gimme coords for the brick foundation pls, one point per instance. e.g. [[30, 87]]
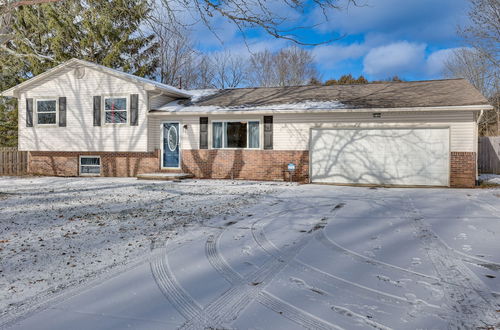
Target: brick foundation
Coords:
[[270, 165], [463, 170], [112, 163]]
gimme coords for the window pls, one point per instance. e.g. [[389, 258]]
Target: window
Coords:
[[236, 134], [46, 112], [90, 165], [115, 110]]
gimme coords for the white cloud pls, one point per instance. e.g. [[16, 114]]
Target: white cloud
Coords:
[[394, 59], [436, 61], [419, 20], [330, 55]]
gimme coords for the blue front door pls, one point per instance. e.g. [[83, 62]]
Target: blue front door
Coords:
[[171, 145]]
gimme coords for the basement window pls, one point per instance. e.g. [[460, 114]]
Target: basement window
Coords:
[[236, 134], [90, 165]]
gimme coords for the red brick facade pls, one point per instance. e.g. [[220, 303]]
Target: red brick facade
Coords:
[[270, 165], [463, 169], [112, 163]]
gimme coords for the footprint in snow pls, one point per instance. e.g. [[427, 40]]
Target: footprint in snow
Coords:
[[461, 236], [466, 248], [246, 250], [416, 261]]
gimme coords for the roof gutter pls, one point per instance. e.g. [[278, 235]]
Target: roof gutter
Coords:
[[326, 110]]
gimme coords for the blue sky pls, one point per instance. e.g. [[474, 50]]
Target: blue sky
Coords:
[[382, 38]]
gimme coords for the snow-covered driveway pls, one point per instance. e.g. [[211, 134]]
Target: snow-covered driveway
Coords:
[[311, 256]]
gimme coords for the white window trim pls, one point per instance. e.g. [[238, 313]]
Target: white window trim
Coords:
[[36, 100], [127, 109], [80, 165], [224, 135]]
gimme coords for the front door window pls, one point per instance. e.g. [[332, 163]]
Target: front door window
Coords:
[[171, 145]]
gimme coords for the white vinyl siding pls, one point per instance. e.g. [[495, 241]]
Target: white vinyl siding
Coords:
[[291, 132], [80, 134], [157, 100], [189, 136]]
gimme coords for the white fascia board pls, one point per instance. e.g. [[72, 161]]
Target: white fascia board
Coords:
[[149, 86], [271, 111], [12, 92]]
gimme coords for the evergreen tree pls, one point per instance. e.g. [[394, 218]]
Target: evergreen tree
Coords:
[[106, 32]]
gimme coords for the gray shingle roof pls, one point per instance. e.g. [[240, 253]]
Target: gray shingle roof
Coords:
[[435, 93]]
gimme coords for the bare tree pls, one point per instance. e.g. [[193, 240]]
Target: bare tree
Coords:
[[480, 64], [229, 70], [176, 53], [474, 65], [483, 33], [263, 14], [205, 73], [292, 66], [262, 71]]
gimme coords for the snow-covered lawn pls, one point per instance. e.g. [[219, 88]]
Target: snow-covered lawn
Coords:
[[55, 232], [309, 256], [490, 178]]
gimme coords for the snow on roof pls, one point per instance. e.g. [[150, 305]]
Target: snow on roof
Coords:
[[178, 106], [140, 79], [391, 95], [198, 94]]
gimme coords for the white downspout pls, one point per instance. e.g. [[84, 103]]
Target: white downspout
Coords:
[[477, 143]]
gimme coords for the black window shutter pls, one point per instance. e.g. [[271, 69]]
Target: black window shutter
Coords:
[[134, 109], [29, 112], [62, 112], [203, 132], [97, 111], [268, 132]]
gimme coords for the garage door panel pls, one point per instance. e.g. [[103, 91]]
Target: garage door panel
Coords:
[[380, 156]]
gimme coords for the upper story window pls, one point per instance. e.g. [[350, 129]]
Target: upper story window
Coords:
[[115, 110], [46, 111], [236, 134]]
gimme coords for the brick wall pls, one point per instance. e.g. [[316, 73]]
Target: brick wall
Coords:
[[463, 169], [112, 163], [218, 164], [246, 164]]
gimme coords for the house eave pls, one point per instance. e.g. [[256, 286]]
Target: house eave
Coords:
[[148, 86], [308, 111]]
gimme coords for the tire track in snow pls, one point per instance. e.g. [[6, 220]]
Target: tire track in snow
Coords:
[[326, 277], [293, 313], [172, 290], [287, 310], [227, 307], [469, 298], [331, 244]]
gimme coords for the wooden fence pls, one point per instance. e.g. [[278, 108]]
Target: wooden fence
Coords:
[[13, 162], [489, 154]]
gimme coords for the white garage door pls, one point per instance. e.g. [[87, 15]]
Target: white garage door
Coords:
[[381, 156]]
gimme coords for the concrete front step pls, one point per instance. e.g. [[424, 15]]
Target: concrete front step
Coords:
[[164, 176]]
